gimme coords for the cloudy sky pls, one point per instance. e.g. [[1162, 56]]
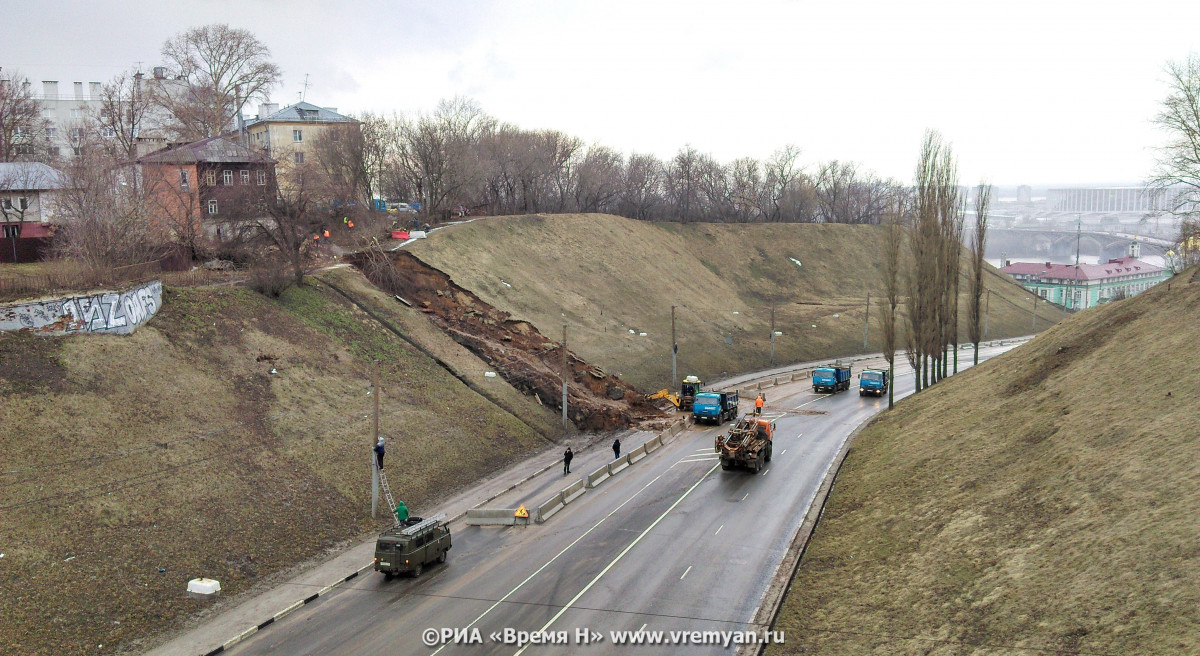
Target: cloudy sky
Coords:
[[1028, 92]]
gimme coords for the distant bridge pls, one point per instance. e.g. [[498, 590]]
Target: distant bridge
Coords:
[[1059, 244]]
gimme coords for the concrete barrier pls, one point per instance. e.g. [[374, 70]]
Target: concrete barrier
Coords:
[[652, 444], [597, 477], [573, 491], [616, 466], [783, 380], [547, 510], [494, 517], [637, 454]]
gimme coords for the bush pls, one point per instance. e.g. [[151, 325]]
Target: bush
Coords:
[[271, 278]]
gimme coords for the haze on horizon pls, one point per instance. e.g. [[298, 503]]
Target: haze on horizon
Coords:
[[1040, 93]]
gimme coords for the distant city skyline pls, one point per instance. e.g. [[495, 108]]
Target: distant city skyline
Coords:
[[1048, 94]]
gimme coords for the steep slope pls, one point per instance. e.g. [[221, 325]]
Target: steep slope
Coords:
[[609, 279], [230, 438], [1044, 502]]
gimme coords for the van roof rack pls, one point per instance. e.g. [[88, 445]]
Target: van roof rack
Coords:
[[425, 524]]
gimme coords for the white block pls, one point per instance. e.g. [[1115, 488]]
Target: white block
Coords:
[[204, 586]]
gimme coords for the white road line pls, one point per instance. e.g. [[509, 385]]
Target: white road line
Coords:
[[799, 435], [744, 498], [699, 459], [685, 572], [539, 570], [621, 555], [812, 401], [766, 470], [719, 528], [783, 452]]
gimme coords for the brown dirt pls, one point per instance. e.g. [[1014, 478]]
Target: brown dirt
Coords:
[[525, 358]]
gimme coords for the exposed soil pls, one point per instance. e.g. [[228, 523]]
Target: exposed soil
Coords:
[[528, 360]]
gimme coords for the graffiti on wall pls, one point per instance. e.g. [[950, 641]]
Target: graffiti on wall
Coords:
[[103, 312]]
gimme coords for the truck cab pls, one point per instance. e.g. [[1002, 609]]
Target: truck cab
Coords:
[[412, 544], [873, 381]]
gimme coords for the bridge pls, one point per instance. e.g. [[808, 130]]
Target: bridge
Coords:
[[1052, 244]]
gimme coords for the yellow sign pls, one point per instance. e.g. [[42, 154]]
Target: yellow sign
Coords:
[[521, 512]]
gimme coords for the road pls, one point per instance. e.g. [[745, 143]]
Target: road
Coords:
[[673, 543]]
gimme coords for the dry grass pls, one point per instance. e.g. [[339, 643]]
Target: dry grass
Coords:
[[133, 464], [604, 275], [1045, 502]]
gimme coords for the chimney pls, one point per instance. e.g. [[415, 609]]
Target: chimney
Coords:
[[50, 89], [1047, 265], [160, 72], [94, 90], [266, 109], [79, 91]]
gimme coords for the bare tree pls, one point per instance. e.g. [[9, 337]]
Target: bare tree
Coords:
[[922, 282], [22, 127], [983, 196], [290, 219], [682, 184], [890, 271], [106, 214], [125, 105], [598, 180], [641, 189], [782, 173], [224, 68], [1178, 162], [438, 151]]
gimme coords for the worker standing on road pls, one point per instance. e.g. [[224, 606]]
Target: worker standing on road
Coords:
[[758, 404], [379, 451], [567, 461], [616, 448]]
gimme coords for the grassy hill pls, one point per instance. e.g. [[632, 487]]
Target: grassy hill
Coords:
[[604, 276], [135, 463], [1044, 502]]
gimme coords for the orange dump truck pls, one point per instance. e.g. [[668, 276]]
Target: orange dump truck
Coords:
[[748, 444]]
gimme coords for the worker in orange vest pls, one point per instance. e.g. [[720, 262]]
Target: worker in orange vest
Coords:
[[350, 224], [325, 234], [316, 239], [758, 404]]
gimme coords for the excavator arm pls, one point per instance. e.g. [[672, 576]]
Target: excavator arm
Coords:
[[665, 394]]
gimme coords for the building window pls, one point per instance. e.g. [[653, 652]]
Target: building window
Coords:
[[55, 151], [227, 177], [297, 135], [12, 231], [212, 207], [76, 133], [76, 113], [245, 176], [8, 203], [299, 157], [23, 203], [183, 179], [108, 133], [1042, 293], [210, 178], [52, 133], [262, 177]]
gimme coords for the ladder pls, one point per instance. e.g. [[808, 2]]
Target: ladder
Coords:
[[387, 494]]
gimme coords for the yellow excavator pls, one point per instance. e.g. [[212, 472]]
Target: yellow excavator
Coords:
[[687, 394]]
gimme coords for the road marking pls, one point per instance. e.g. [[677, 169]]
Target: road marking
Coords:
[[564, 550], [812, 401], [783, 452], [799, 435], [695, 459], [685, 572], [766, 470], [621, 555], [744, 498], [719, 528]]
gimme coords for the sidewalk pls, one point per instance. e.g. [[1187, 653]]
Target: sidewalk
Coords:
[[256, 607]]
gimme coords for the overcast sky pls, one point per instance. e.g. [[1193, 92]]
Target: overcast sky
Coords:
[[1028, 92]]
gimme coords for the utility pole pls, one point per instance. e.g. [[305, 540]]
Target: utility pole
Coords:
[[1033, 327], [374, 441], [564, 376], [772, 357], [1078, 234], [674, 350], [866, 321]]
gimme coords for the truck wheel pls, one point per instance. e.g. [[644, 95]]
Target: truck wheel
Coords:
[[387, 576], [769, 450], [416, 571], [442, 557]]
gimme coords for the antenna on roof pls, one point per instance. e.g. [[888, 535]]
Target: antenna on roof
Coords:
[[305, 87]]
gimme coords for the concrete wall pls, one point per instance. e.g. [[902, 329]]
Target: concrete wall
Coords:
[[100, 312]]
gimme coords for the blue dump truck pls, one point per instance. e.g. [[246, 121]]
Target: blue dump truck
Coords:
[[831, 378], [873, 381], [715, 407]]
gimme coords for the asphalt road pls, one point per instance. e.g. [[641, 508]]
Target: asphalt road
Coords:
[[672, 543]]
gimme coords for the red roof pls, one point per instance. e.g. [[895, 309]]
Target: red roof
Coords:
[[1121, 266]]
